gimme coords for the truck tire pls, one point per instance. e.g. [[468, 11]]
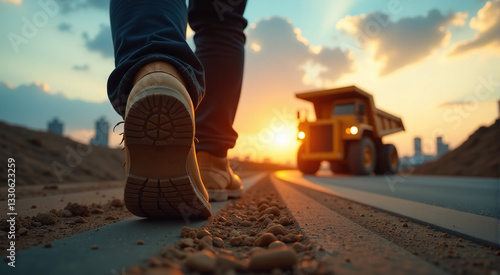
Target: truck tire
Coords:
[[362, 156], [308, 167], [339, 167], [388, 161]]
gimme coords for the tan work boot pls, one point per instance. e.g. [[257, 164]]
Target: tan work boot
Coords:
[[163, 179], [220, 181]]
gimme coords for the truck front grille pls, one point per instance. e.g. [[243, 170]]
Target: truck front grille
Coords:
[[321, 138]]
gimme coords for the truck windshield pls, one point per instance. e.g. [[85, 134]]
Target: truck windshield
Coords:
[[344, 109]]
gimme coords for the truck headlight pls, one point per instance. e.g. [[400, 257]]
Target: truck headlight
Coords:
[[353, 130], [301, 135]]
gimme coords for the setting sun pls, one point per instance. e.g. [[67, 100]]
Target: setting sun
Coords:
[[281, 139]]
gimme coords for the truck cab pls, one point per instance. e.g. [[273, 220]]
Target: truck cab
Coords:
[[347, 132]]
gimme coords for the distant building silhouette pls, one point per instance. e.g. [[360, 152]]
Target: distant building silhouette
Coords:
[[441, 147], [101, 133], [420, 158], [55, 126], [418, 146]]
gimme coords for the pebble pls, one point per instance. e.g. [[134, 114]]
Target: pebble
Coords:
[[276, 244], [229, 262], [290, 238], [280, 206], [206, 243], [248, 241], [79, 219], [234, 233], [188, 242], [218, 242], [246, 223], [279, 257], [261, 202], [117, 203], [267, 221], [202, 233], [203, 261], [36, 224], [22, 231], [285, 221], [265, 239], [185, 231], [272, 210], [46, 218], [265, 216], [236, 219], [263, 207], [277, 230], [65, 213], [97, 211], [236, 241], [78, 209]]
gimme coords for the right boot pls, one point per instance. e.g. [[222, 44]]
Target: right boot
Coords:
[[219, 179], [162, 175]]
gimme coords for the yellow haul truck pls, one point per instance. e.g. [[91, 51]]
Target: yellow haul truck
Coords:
[[348, 133]]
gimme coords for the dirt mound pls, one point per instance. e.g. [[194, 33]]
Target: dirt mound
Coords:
[[479, 156], [46, 158], [43, 157]]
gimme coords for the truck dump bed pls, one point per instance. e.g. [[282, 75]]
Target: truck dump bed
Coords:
[[383, 122]]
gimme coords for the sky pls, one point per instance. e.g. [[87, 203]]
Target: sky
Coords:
[[434, 63]]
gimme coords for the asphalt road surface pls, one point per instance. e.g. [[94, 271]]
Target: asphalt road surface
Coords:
[[479, 196]]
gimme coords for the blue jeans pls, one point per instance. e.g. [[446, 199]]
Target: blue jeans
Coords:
[[144, 31]]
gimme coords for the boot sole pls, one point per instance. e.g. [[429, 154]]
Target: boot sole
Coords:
[[159, 135]]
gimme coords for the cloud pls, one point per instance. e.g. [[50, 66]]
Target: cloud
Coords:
[[280, 50], [84, 67], [64, 27], [399, 44], [487, 27], [34, 105], [101, 43], [77, 5]]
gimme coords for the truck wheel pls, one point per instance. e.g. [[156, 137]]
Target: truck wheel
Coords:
[[339, 167], [388, 161], [362, 156], [308, 167]]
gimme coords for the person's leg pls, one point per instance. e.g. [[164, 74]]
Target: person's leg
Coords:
[[146, 31], [220, 41], [154, 66]]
